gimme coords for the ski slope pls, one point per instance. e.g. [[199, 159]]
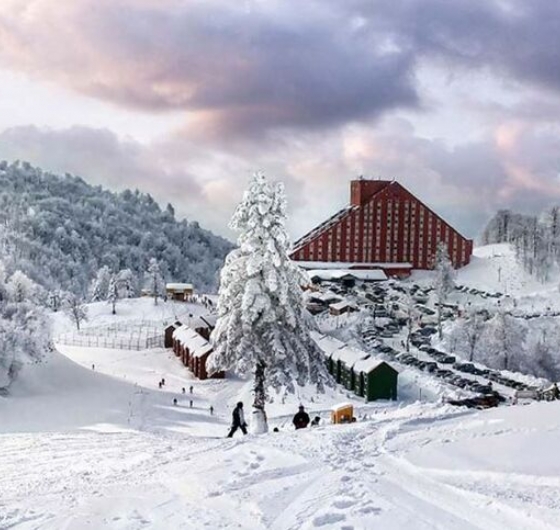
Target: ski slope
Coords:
[[105, 448]]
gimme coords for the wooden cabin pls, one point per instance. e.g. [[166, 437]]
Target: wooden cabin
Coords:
[[194, 350], [181, 292], [375, 379], [339, 308]]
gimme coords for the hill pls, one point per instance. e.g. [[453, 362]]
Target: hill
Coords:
[[106, 448], [59, 230]]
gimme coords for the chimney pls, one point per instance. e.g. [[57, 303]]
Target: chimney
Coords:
[[362, 190]]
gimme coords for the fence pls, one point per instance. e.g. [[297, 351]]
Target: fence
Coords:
[[136, 335]]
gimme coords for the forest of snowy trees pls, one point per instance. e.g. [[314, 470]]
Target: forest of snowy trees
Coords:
[[60, 231], [536, 239], [64, 242]]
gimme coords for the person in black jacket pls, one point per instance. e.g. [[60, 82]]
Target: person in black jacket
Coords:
[[238, 420], [301, 419]]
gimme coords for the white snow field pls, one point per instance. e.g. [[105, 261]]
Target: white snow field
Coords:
[[105, 448]]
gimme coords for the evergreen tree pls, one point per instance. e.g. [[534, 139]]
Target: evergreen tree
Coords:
[[100, 285], [156, 283], [263, 326], [113, 293], [444, 281], [126, 283]]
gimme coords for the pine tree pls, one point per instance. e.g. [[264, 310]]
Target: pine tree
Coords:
[[126, 283], [155, 279], [100, 285], [113, 293], [263, 326], [444, 281]]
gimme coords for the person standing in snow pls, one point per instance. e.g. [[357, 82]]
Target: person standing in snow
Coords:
[[301, 419], [238, 420]]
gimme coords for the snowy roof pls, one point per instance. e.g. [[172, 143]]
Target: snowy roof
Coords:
[[337, 274], [326, 344], [352, 265], [341, 406], [197, 345], [349, 355], [342, 305], [178, 286], [367, 365], [211, 320], [324, 297]]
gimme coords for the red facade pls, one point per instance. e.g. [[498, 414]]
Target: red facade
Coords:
[[384, 224]]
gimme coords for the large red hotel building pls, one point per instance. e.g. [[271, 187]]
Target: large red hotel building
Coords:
[[384, 227]]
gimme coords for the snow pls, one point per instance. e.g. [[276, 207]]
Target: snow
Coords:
[[337, 274], [179, 287], [367, 365], [106, 449]]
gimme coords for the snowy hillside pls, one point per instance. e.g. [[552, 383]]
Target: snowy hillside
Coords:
[[60, 231], [106, 448]]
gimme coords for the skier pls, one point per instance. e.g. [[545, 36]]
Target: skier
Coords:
[[183, 390], [174, 401], [238, 420], [555, 391], [211, 410], [301, 419], [191, 388]]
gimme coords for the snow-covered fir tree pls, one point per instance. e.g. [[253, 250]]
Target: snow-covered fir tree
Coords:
[[154, 279], [126, 284], [100, 284], [113, 293], [444, 280], [263, 326]]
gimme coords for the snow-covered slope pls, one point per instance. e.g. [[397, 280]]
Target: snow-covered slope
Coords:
[[106, 448]]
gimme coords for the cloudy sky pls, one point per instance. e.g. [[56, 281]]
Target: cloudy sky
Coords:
[[459, 100]]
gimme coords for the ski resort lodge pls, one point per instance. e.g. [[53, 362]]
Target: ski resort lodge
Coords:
[[386, 228]]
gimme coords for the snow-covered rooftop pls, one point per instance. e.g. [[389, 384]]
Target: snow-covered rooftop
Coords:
[[367, 365], [197, 345], [327, 344], [341, 305], [178, 286], [349, 356]]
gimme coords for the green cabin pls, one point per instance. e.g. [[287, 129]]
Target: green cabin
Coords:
[[374, 379], [345, 359]]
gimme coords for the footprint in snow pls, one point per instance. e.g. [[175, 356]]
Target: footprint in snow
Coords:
[[341, 504], [328, 518]]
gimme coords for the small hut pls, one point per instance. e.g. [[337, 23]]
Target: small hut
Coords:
[[375, 379], [343, 361], [181, 292], [339, 308]]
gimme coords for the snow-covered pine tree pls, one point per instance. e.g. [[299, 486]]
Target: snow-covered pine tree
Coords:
[[113, 293], [100, 285], [444, 280], [126, 283], [263, 326], [155, 281], [75, 308]]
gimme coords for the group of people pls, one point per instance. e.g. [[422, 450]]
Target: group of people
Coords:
[[301, 420]]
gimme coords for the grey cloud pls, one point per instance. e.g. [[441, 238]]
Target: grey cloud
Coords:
[[239, 69]]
